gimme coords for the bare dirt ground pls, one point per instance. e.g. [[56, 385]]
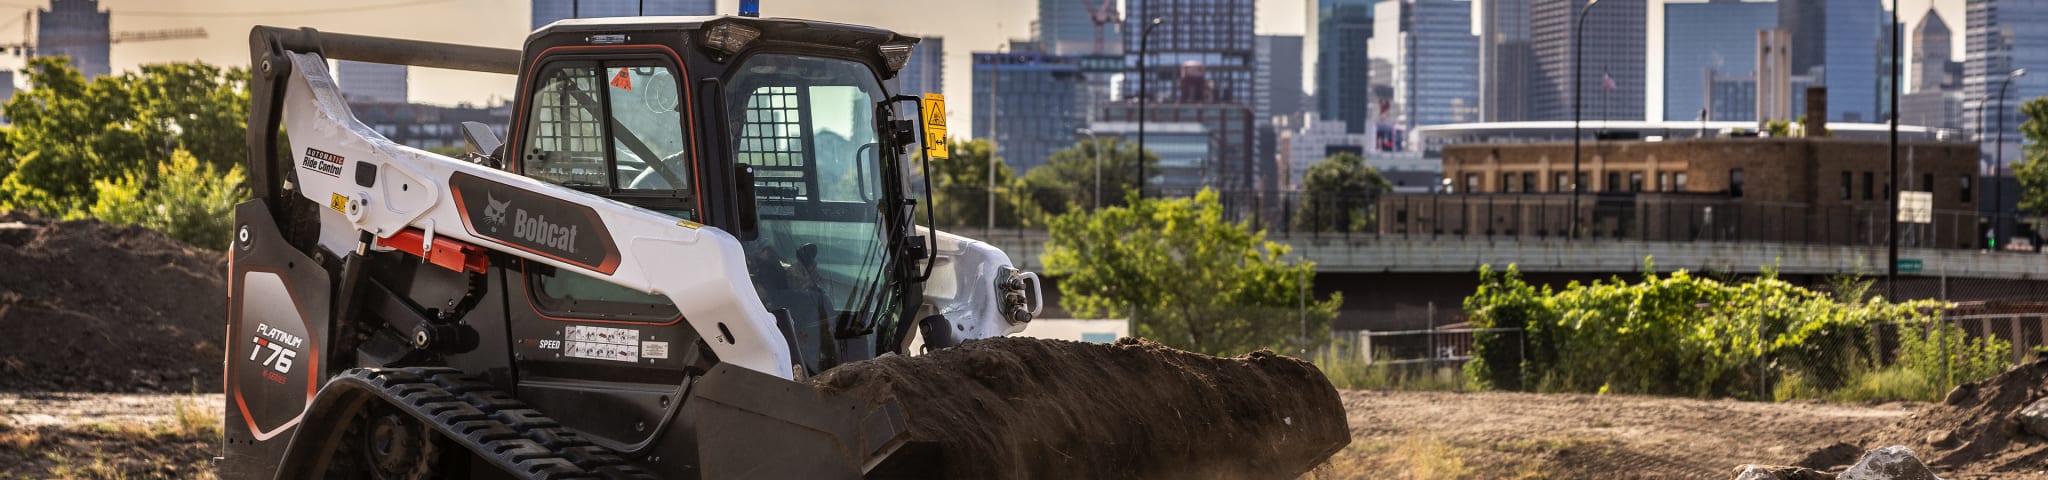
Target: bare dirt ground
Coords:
[[80, 435], [1395, 435], [1520, 435]]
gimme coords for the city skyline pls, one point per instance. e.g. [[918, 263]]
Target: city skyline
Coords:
[[970, 25]]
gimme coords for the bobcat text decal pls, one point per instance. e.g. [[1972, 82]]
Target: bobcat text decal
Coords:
[[535, 222]]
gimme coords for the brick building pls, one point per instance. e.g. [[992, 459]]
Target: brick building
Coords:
[[1803, 190]]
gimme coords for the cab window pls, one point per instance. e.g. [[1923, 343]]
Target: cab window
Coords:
[[614, 128]]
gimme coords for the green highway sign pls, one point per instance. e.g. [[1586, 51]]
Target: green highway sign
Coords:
[[1910, 265]]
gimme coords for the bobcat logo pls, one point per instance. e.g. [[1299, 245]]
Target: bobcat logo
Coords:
[[495, 211]]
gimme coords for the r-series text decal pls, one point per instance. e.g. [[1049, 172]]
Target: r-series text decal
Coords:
[[323, 162], [535, 222], [275, 349]]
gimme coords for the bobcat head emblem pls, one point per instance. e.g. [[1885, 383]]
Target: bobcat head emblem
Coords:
[[495, 211]]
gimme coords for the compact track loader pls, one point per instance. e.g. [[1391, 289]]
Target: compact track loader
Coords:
[[687, 217]]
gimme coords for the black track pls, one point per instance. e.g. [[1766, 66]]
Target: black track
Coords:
[[497, 428]]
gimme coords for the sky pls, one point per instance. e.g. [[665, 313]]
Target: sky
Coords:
[[968, 25]]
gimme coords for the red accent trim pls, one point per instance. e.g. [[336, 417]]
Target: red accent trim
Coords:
[[449, 254], [537, 311], [689, 96]]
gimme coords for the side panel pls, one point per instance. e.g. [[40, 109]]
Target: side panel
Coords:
[[278, 302]]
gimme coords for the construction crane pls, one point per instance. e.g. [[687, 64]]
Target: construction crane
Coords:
[[29, 46], [1103, 15]]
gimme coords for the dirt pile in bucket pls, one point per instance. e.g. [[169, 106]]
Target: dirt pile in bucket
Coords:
[[86, 306], [1029, 408], [1977, 428]]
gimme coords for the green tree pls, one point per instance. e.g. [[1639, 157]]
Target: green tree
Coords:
[[1069, 176], [186, 199], [1339, 194], [2032, 171], [1186, 277], [69, 134], [960, 187]]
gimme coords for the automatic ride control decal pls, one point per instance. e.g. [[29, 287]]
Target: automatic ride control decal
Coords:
[[323, 162], [602, 343]]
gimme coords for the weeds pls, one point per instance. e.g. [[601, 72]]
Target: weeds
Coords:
[[1351, 372]]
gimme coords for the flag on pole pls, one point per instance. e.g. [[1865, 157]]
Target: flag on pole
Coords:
[[1606, 81]]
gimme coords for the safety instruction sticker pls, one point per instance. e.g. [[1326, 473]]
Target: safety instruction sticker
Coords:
[[601, 343], [935, 126], [654, 349]]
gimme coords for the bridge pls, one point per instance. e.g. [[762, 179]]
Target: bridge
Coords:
[[1403, 281], [1375, 253]]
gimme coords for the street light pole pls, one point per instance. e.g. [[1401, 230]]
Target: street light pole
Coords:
[[1144, 40], [1998, 154], [1892, 181], [995, 95], [1095, 143], [1578, 107]]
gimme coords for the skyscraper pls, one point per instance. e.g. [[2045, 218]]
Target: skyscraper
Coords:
[[364, 82], [1214, 36], [548, 11], [1614, 48], [1932, 54], [1067, 27], [1713, 40], [1339, 31], [76, 29], [926, 72], [2001, 36], [1279, 62], [1439, 77], [1504, 67], [1012, 107], [1840, 44]]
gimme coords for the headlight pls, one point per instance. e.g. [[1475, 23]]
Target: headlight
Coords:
[[730, 37], [896, 55]]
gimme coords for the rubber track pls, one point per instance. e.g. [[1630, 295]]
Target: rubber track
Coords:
[[495, 426]]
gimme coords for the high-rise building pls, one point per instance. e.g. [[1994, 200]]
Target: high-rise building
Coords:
[[1278, 93], [1230, 130], [548, 11], [1213, 36], [1614, 67], [926, 72], [1280, 62], [1339, 31], [1439, 72], [1069, 27], [2001, 36], [76, 29], [364, 82], [1932, 57], [1717, 36], [1727, 97], [1841, 45], [1505, 70], [1310, 140], [1185, 150], [1011, 107]]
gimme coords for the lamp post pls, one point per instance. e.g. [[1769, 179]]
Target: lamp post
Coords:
[[1144, 39], [1892, 180], [1998, 154], [1578, 68], [1097, 145], [995, 95]]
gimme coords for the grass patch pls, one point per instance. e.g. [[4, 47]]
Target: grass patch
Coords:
[[1887, 384], [1351, 372], [192, 418]]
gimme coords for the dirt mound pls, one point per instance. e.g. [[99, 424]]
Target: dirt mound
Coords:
[[1975, 428], [1029, 408], [86, 306]]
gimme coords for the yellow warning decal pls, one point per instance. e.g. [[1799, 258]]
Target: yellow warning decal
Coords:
[[935, 126], [338, 203]]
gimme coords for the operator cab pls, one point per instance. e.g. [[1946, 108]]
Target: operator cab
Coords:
[[777, 131]]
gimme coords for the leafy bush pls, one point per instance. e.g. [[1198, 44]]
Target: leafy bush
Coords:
[[187, 200], [1672, 334]]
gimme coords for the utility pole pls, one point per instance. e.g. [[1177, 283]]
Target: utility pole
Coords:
[[1891, 278]]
